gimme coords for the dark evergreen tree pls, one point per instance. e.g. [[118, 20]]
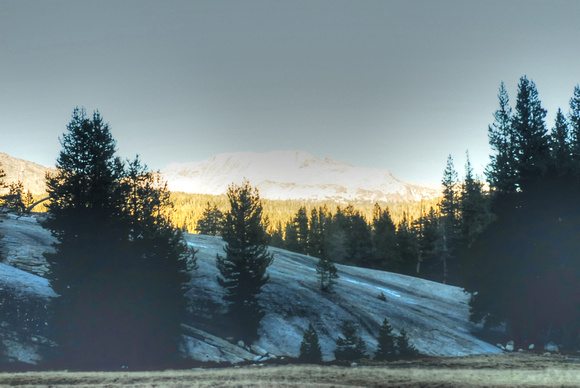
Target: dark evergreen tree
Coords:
[[300, 223], [211, 221], [530, 134], [404, 348], [359, 243], [449, 208], [386, 349], [291, 238], [473, 207], [384, 235], [574, 122], [406, 248], [243, 269], [523, 265], [327, 274], [429, 245], [277, 237], [316, 234], [119, 267], [310, 351], [560, 143], [501, 172], [335, 241], [350, 346]]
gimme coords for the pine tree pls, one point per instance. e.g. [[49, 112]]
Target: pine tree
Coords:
[[119, 266], [384, 235], [310, 351], [300, 223], [316, 236], [406, 248], [404, 348], [386, 349], [501, 170], [530, 133], [472, 207], [327, 274], [429, 245], [243, 269], [559, 143], [449, 208], [211, 221], [350, 346], [574, 121]]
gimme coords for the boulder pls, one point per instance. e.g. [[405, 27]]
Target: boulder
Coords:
[[551, 347]]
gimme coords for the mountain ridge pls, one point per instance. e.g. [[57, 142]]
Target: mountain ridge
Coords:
[[298, 175]]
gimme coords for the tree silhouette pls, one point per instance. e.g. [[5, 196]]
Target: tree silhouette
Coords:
[[119, 267], [310, 351], [243, 269]]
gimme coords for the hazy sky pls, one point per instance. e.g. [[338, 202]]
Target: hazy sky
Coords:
[[387, 84]]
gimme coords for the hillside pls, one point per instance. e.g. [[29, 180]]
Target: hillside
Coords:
[[435, 315], [32, 175], [291, 175]]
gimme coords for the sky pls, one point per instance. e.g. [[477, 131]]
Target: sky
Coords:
[[398, 85]]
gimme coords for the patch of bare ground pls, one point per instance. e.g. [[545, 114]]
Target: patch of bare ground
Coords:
[[504, 370]]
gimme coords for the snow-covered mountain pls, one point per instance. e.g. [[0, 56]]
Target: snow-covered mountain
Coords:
[[293, 175]]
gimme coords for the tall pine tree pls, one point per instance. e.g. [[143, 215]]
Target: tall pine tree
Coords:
[[243, 269], [119, 267]]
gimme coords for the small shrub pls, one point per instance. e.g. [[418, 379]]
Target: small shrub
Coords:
[[382, 297]]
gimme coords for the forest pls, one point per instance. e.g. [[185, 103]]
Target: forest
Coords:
[[513, 241]]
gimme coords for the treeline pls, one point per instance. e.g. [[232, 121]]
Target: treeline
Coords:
[[189, 208], [426, 244]]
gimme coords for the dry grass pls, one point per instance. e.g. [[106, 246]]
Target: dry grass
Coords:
[[491, 371]]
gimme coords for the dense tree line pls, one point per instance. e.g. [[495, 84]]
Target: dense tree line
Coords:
[[525, 265], [189, 209]]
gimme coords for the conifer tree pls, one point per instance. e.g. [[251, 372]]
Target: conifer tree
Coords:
[[406, 248], [243, 269], [310, 351], [560, 151], [384, 239], [386, 349], [404, 347], [119, 266], [327, 274], [501, 170], [300, 223], [472, 206], [316, 234], [530, 133], [350, 346], [574, 121], [211, 221], [429, 245], [449, 208]]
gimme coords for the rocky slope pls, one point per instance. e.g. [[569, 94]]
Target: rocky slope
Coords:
[[293, 175], [31, 175], [435, 315]]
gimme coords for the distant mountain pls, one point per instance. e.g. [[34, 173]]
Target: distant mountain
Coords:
[[31, 175], [293, 175]]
